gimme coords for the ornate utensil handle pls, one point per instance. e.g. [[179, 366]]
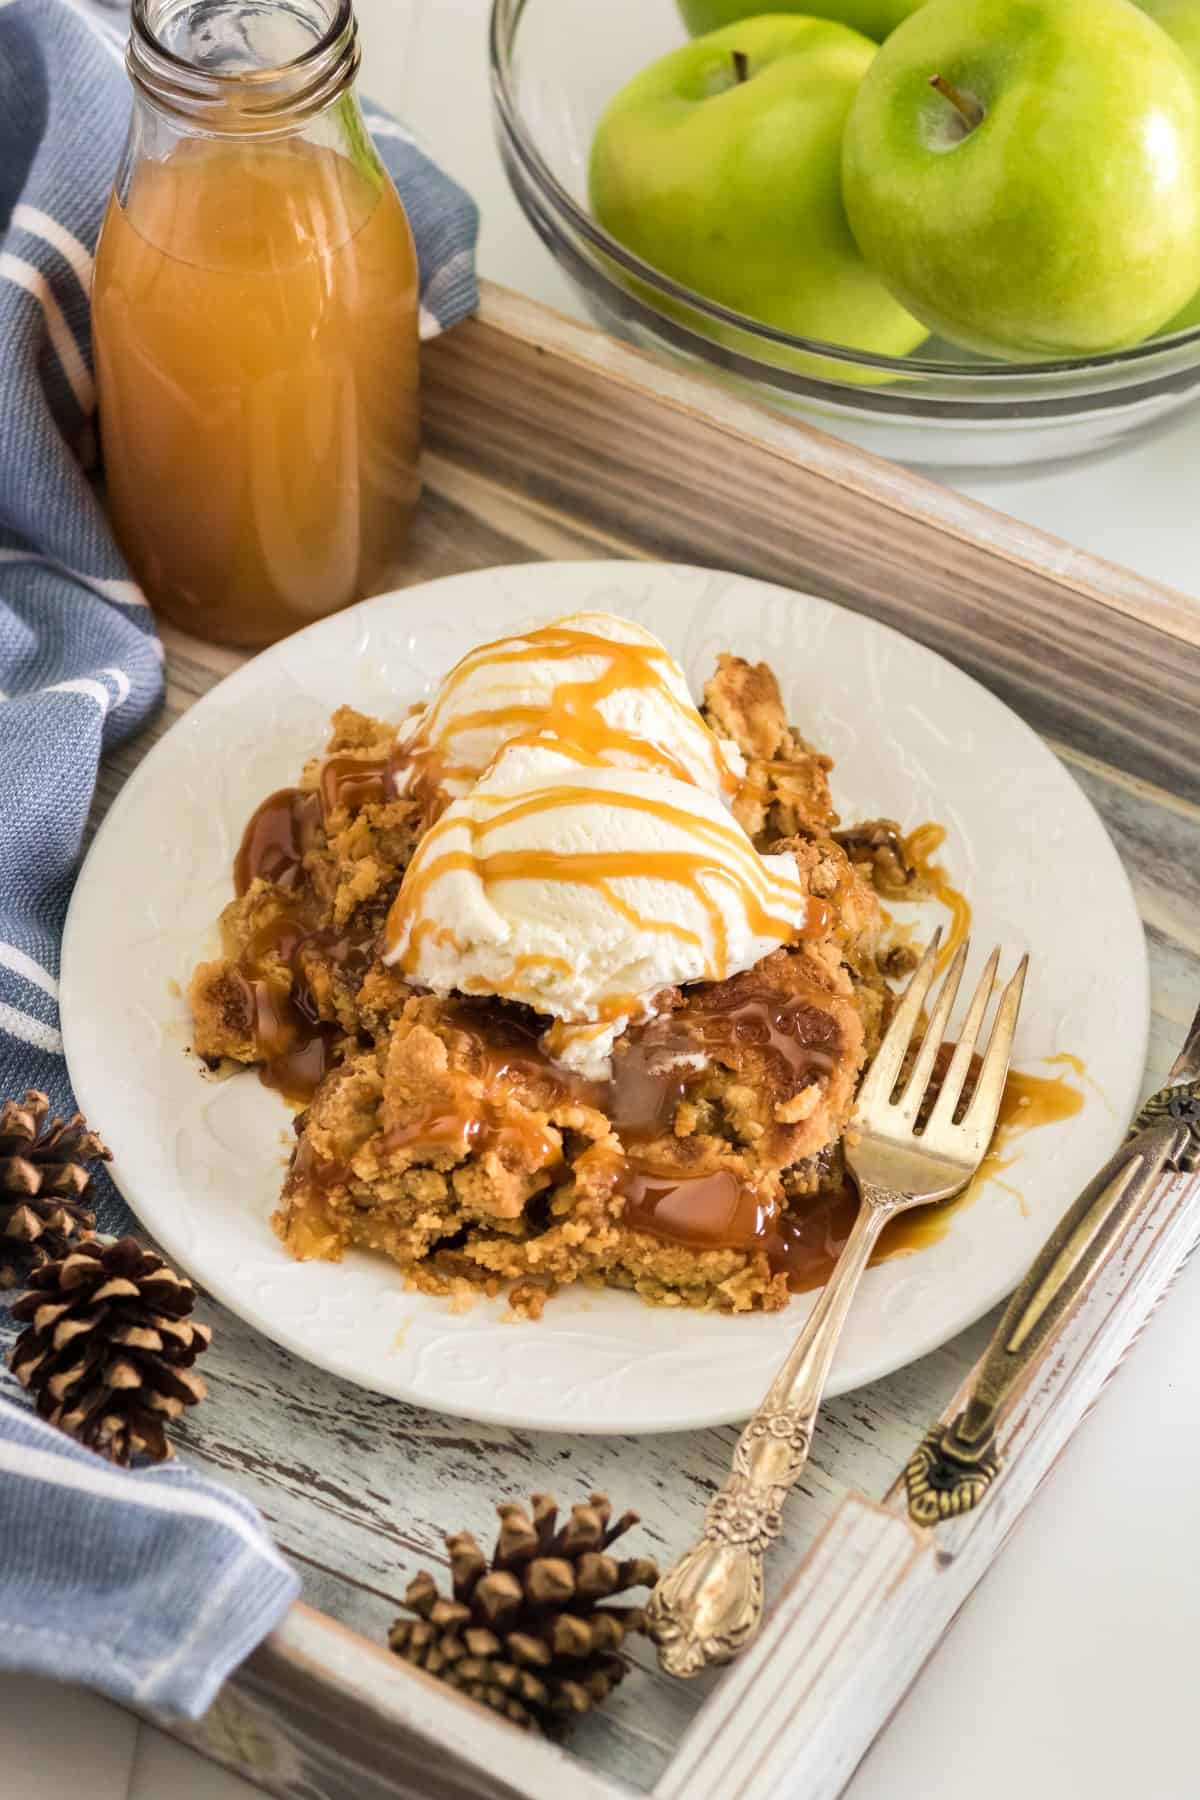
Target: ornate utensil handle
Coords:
[[954, 1465], [710, 1603]]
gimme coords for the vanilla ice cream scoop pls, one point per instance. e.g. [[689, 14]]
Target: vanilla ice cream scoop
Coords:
[[602, 686], [583, 890]]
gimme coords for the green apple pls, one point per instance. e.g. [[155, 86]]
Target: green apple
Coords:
[[874, 18], [1025, 174], [1181, 19], [719, 165], [1186, 319]]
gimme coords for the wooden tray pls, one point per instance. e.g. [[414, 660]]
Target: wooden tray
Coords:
[[546, 439]]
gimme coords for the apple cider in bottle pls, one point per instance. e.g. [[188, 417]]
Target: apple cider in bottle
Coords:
[[255, 323]]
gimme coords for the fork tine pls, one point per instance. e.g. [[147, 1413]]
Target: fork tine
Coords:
[[980, 1117], [935, 1031], [880, 1078], [960, 1062]]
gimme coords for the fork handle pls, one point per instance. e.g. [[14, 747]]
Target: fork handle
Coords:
[[710, 1603]]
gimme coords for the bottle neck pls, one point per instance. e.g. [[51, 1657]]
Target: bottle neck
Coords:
[[242, 66]]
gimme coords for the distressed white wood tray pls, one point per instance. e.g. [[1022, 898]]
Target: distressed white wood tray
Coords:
[[548, 440]]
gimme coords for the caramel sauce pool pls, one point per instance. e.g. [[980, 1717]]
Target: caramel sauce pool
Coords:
[[1029, 1101], [297, 1046], [717, 1212]]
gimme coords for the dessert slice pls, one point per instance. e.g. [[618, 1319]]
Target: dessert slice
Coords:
[[576, 981]]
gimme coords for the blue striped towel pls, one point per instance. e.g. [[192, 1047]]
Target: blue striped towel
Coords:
[[150, 1585]]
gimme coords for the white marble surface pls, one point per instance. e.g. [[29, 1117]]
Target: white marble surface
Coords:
[[1071, 1671]]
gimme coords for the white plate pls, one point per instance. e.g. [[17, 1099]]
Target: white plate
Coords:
[[201, 1162]]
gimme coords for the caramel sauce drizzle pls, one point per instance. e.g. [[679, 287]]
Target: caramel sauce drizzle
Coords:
[[574, 725], [920, 846], [573, 716], [509, 1057], [754, 883]]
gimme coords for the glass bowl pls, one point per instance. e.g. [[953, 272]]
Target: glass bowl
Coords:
[[555, 64]]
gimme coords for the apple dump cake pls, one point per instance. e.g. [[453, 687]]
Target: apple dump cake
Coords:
[[573, 978]]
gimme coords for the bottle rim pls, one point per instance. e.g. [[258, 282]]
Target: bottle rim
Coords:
[[265, 99]]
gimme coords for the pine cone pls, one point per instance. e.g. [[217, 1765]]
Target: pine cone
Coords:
[[43, 1175], [108, 1348], [526, 1635]]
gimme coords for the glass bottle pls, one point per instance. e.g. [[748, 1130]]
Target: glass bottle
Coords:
[[255, 318]]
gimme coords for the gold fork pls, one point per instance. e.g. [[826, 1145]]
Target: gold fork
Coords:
[[709, 1605]]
